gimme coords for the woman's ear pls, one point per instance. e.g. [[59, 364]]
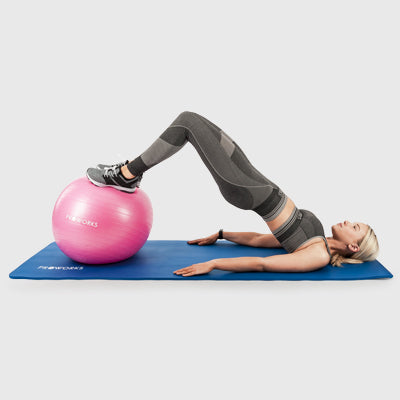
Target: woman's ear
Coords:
[[353, 247]]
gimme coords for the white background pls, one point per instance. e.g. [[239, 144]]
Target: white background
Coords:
[[308, 89]]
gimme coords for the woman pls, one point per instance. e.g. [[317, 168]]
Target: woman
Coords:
[[298, 231]]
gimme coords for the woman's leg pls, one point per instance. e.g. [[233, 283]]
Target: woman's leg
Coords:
[[240, 183]]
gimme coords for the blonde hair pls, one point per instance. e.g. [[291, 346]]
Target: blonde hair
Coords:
[[369, 249]]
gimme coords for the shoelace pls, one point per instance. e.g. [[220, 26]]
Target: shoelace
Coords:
[[120, 164], [115, 171], [112, 172]]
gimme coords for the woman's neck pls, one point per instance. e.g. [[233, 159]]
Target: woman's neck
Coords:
[[336, 246]]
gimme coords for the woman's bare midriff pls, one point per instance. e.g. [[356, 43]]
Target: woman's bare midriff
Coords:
[[282, 218]]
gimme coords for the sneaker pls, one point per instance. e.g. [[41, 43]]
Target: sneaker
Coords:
[[105, 166], [113, 177]]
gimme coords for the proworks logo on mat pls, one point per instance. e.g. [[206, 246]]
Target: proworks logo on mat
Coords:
[[62, 268], [83, 221]]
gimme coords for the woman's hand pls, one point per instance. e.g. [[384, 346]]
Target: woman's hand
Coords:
[[207, 240], [196, 269]]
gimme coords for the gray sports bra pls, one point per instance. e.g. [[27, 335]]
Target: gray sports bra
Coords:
[[300, 227]]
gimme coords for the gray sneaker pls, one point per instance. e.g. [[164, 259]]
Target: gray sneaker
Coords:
[[105, 166], [113, 177]]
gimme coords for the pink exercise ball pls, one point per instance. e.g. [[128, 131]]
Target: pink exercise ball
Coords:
[[101, 225]]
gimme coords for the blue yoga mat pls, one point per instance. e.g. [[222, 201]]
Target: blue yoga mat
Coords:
[[157, 260]]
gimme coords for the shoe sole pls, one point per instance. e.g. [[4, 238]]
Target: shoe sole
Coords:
[[120, 188]]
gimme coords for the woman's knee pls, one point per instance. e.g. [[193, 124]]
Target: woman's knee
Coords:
[[187, 119], [186, 116]]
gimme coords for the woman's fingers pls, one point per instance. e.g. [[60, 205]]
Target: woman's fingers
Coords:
[[206, 240], [195, 269], [183, 270], [194, 241], [187, 271], [197, 241]]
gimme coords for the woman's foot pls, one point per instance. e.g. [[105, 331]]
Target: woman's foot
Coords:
[[126, 173], [114, 177]]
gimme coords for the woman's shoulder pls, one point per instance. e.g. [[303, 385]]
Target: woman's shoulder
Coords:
[[315, 248]]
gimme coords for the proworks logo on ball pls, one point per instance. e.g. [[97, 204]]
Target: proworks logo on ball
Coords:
[[83, 221]]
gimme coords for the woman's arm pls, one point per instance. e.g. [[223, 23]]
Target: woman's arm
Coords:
[[302, 261], [266, 240], [253, 239], [309, 259], [244, 238], [237, 264]]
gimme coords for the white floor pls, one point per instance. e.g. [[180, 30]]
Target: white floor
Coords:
[[149, 340]]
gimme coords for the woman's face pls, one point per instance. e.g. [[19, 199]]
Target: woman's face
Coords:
[[349, 232]]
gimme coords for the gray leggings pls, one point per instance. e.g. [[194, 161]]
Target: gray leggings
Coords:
[[240, 183]]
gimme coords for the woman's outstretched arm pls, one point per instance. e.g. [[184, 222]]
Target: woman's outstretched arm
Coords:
[[306, 260]]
